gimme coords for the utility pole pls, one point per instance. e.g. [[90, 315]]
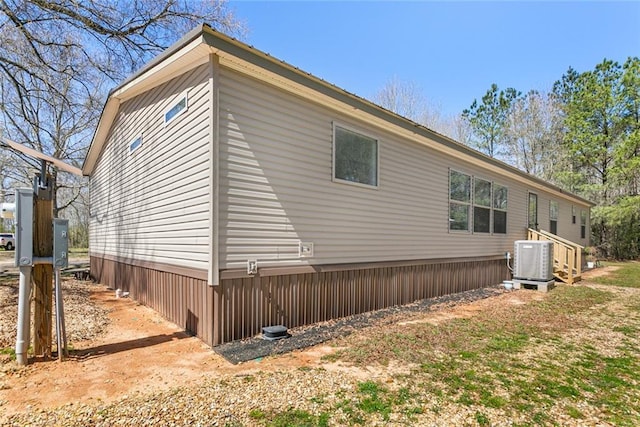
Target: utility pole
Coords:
[[37, 247], [43, 273]]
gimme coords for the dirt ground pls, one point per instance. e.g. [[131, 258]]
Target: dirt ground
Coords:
[[140, 352], [143, 353]]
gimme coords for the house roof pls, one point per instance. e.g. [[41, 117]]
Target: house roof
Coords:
[[195, 48]]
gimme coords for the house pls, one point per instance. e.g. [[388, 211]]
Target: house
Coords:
[[231, 191]]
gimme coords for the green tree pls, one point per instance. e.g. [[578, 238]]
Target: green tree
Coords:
[[595, 125], [627, 155], [601, 112], [616, 228], [488, 119]]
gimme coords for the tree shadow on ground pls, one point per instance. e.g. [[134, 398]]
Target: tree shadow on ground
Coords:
[[117, 347]]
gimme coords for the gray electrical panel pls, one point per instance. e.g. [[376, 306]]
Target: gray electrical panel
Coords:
[[60, 243], [24, 227]]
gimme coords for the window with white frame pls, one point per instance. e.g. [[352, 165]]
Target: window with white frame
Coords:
[[355, 157], [459, 200], [477, 199], [553, 217], [135, 144], [481, 206], [500, 195], [176, 108], [583, 224], [573, 214]]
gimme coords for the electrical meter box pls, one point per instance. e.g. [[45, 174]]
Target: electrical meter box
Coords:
[[60, 243], [24, 227]]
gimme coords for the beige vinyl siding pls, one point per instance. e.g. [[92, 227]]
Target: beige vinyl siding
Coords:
[[153, 204], [566, 229], [277, 189]]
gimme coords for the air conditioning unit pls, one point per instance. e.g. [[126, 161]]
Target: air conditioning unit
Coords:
[[533, 260]]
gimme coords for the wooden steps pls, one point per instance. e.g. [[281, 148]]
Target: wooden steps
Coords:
[[563, 276], [567, 256]]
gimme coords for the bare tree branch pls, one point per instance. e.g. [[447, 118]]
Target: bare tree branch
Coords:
[[57, 59]]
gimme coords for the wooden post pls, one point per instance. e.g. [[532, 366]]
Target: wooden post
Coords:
[[43, 276]]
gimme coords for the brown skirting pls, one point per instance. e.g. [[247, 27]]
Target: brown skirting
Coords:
[[247, 304], [240, 307], [185, 301]]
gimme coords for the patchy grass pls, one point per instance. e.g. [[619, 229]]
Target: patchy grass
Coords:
[[296, 417], [79, 252], [522, 361], [289, 418], [374, 399], [571, 357], [8, 351], [627, 275], [504, 330]]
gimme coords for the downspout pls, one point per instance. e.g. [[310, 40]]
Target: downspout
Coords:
[[23, 260], [24, 315]]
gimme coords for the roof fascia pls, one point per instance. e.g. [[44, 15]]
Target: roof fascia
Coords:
[[177, 46], [227, 47], [162, 68], [202, 40], [162, 72], [107, 117]]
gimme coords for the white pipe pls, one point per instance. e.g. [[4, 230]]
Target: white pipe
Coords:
[[24, 316], [57, 308], [61, 333]]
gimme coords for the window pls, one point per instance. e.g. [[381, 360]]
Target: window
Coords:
[[481, 206], [135, 144], [583, 224], [500, 194], [533, 211], [487, 203], [176, 109], [553, 217], [459, 200], [573, 214], [355, 157]]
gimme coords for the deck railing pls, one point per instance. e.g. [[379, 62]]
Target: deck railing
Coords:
[[567, 255]]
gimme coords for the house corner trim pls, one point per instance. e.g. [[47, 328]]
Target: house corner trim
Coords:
[[214, 171]]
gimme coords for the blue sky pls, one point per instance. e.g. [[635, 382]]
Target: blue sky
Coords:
[[452, 50]]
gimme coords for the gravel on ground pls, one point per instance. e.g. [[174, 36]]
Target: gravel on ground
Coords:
[[244, 394], [234, 396], [84, 320]]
